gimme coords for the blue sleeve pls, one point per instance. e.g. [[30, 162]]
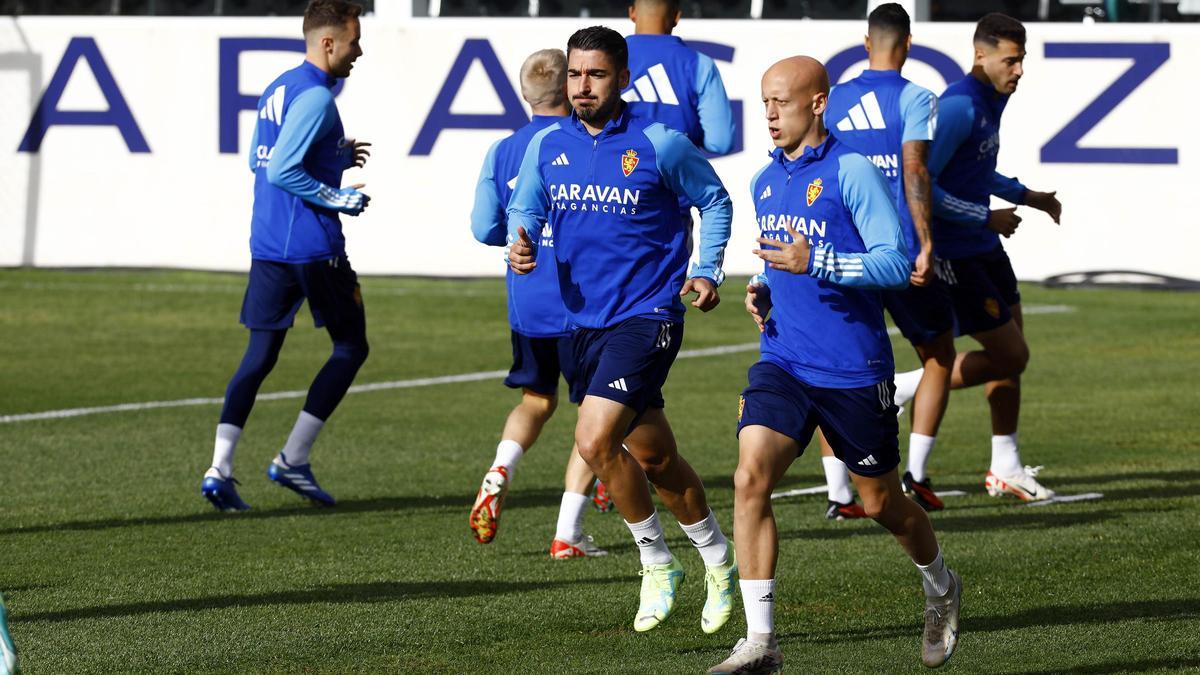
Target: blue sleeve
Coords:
[[689, 175], [716, 114], [254, 149], [956, 117], [310, 116], [529, 205], [488, 222], [761, 277], [869, 198], [1009, 189], [918, 107]]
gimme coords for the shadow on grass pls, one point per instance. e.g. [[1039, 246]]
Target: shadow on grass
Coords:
[[521, 498], [1009, 520], [1054, 615], [1143, 666], [380, 591]]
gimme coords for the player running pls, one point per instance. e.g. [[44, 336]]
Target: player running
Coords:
[[830, 239], [609, 185], [298, 251], [891, 121], [673, 83], [541, 341], [967, 235]]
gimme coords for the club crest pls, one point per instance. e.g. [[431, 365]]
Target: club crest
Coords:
[[814, 191], [629, 162]]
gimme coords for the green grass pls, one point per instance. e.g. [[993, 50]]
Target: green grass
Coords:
[[111, 561]]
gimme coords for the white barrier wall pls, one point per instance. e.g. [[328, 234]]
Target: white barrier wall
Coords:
[[147, 121]]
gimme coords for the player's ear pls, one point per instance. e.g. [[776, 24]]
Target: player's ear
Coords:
[[819, 102], [867, 44], [623, 80], [678, 16], [633, 13]]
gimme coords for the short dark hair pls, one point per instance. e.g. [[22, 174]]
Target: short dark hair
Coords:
[[890, 18], [325, 13], [994, 27], [600, 38]]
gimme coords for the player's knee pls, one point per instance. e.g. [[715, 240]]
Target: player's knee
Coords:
[[876, 506], [1016, 358], [539, 405], [748, 482], [354, 351], [593, 448], [657, 466]]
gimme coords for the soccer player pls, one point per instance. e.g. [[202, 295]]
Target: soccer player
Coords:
[[967, 234], [891, 121], [541, 341], [673, 83], [830, 239], [298, 251], [9, 663], [609, 184]]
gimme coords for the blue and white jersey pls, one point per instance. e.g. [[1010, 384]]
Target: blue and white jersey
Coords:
[[672, 83], [875, 114], [612, 202], [962, 164], [826, 327], [298, 154], [535, 306]]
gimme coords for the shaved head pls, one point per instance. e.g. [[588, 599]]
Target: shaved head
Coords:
[[794, 94]]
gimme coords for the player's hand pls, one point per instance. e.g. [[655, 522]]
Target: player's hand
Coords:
[[1045, 201], [706, 293], [361, 153], [520, 253], [922, 274], [791, 257], [758, 304], [356, 202], [1004, 221]]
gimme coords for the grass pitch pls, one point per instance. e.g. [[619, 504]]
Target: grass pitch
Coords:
[[111, 560]]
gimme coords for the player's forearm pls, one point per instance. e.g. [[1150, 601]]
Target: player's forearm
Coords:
[[488, 222], [949, 208], [716, 224], [294, 180], [882, 267], [917, 192], [1009, 189]]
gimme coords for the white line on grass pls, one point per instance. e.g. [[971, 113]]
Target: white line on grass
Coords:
[[820, 490], [395, 384]]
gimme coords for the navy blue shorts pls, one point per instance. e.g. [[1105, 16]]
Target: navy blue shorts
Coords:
[[859, 423], [983, 289], [921, 312], [275, 290], [537, 363], [629, 362]]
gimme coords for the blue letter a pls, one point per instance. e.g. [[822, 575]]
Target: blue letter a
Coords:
[[440, 118], [118, 114]]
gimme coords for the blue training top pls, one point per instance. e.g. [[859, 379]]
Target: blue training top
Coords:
[[962, 164], [826, 327], [535, 306], [672, 83], [875, 114], [612, 202]]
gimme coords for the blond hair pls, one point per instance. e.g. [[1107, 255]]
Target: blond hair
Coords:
[[544, 78]]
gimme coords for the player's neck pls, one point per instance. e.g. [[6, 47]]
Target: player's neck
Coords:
[[978, 74], [319, 60], [815, 136], [561, 110], [885, 62], [652, 25], [594, 130]]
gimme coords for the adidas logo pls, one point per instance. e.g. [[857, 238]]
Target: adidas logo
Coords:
[[769, 597], [653, 87], [561, 160], [273, 109], [869, 461], [864, 115], [618, 384], [646, 541], [765, 193]]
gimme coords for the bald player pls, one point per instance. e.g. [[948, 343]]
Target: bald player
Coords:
[[831, 240]]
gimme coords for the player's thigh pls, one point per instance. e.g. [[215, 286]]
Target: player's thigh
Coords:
[[860, 424], [651, 440], [273, 296], [764, 456], [602, 425], [1005, 344], [877, 491]]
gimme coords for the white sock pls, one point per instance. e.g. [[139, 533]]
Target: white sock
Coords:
[[935, 577], [708, 539], [1006, 461], [652, 546], [758, 598], [226, 443], [906, 385], [570, 517], [300, 441], [919, 448], [508, 453], [837, 478]]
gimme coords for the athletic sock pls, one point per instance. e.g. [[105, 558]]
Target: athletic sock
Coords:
[[920, 447], [837, 478], [508, 453], [570, 517], [935, 577], [758, 599], [906, 384], [300, 441], [708, 539], [1006, 460], [226, 443], [652, 546]]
